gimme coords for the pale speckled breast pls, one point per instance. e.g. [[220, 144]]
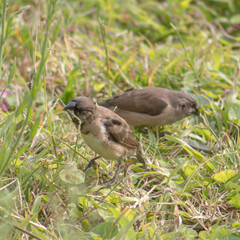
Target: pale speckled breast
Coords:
[[102, 145]]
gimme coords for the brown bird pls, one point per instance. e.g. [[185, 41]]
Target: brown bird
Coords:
[[152, 106], [104, 131]]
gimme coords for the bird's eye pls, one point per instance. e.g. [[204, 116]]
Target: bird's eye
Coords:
[[183, 106]]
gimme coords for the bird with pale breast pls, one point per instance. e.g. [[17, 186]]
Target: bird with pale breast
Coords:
[[104, 132], [152, 106]]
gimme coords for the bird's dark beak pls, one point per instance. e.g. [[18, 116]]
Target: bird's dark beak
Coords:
[[70, 106], [196, 112]]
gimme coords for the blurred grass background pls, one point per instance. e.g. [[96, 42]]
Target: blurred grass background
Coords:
[[100, 48]]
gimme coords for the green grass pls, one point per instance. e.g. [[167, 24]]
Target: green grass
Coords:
[[98, 48]]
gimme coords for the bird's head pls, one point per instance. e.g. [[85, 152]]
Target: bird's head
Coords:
[[82, 107], [188, 106]]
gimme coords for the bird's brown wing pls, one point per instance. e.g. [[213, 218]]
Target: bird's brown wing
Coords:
[[148, 101], [120, 132]]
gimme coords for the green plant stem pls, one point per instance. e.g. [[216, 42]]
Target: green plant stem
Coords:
[[186, 52], [2, 43], [29, 99], [103, 33]]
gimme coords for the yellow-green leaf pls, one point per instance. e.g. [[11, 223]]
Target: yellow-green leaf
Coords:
[[224, 176], [235, 200], [189, 170]]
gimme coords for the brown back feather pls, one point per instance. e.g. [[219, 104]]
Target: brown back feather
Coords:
[[121, 133], [146, 100]]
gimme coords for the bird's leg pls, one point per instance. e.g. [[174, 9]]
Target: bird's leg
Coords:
[[111, 181], [91, 162], [116, 173]]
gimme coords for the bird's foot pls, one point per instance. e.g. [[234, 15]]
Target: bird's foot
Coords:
[[91, 162], [108, 183], [111, 181]]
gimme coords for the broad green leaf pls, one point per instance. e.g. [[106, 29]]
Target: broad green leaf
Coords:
[[224, 175], [127, 230], [85, 224], [234, 111], [36, 205], [129, 199], [105, 230], [203, 235], [83, 201], [72, 176], [185, 3], [235, 19], [171, 235], [235, 200], [189, 170], [113, 198], [236, 224], [11, 98], [7, 198], [225, 233], [118, 214], [188, 232], [231, 185], [105, 213]]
